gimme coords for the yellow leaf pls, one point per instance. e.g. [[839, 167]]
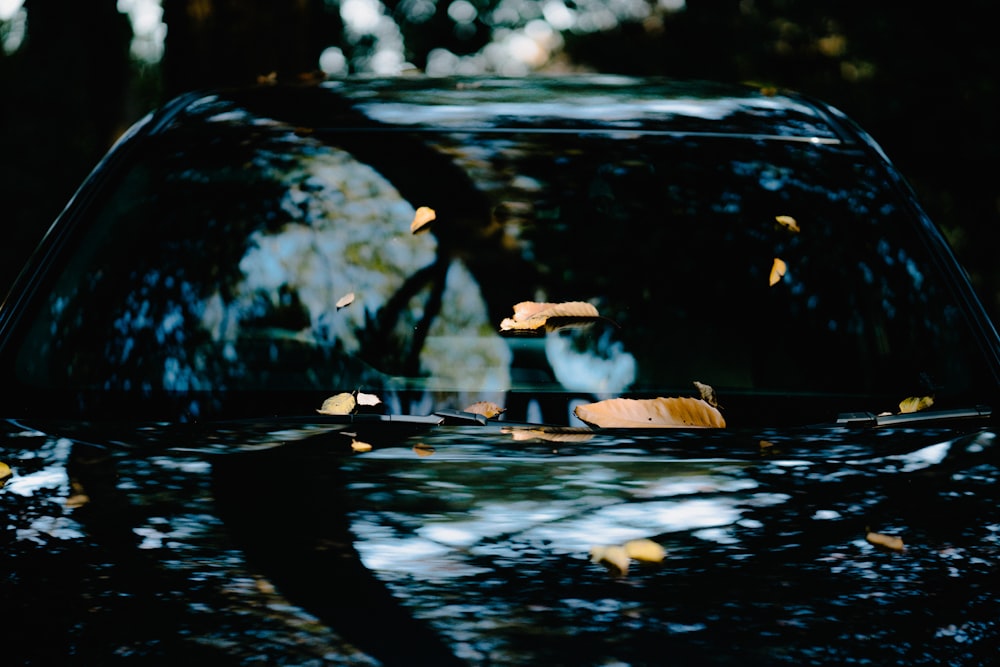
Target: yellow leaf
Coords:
[[486, 408], [650, 413], [645, 550], [359, 446], [345, 300], [612, 556], [421, 219], [788, 222], [5, 473], [340, 404], [915, 404], [885, 541], [778, 269], [707, 393], [533, 315]]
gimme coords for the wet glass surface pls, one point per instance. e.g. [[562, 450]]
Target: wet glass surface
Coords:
[[277, 545]]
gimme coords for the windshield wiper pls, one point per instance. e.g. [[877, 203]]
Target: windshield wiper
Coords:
[[913, 418]]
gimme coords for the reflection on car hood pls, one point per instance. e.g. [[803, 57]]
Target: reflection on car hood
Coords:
[[476, 542]]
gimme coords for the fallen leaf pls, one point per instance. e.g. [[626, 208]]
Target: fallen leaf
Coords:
[[915, 404], [5, 473], [367, 399], [534, 315], [486, 408], [707, 393], [422, 449], [612, 556], [889, 542], [421, 219], [345, 300], [645, 550], [340, 404], [359, 446], [778, 269], [551, 433], [788, 222], [650, 413]]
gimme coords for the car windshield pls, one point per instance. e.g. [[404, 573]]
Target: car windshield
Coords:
[[245, 263]]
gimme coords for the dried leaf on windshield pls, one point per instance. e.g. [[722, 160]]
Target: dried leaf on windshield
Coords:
[[531, 315], [890, 542], [650, 413], [645, 550], [778, 270], [421, 219], [486, 408], [339, 404], [707, 393], [612, 556], [345, 300], [915, 404], [788, 222]]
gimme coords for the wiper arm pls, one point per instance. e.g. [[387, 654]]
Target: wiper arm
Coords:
[[912, 418]]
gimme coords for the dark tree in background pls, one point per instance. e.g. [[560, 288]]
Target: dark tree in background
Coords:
[[923, 79]]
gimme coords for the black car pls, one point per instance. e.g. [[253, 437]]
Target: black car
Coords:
[[581, 370]]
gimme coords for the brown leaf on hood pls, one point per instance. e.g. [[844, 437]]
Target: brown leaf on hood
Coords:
[[612, 556], [650, 413], [889, 542], [645, 550]]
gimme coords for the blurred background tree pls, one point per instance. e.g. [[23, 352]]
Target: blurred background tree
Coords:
[[922, 79]]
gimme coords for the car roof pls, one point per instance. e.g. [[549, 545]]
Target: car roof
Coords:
[[572, 103]]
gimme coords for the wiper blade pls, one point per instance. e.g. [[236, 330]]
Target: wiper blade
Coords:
[[913, 418]]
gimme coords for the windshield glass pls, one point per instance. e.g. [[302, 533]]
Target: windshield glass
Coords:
[[242, 261]]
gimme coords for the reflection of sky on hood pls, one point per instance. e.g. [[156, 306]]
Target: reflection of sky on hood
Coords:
[[607, 506]]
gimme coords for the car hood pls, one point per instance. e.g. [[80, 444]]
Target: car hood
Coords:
[[512, 544]]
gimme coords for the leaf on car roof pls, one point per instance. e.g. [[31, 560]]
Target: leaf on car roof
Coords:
[[486, 408], [778, 270], [915, 404], [650, 413], [531, 315], [339, 404], [890, 542], [345, 300], [788, 222], [423, 217]]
